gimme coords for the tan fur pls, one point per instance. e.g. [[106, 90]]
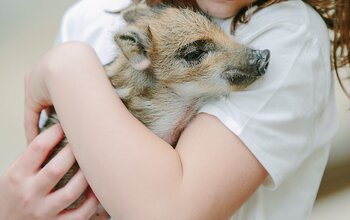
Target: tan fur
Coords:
[[159, 76]]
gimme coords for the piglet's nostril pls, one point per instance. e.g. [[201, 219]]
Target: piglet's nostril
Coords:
[[265, 53], [262, 60]]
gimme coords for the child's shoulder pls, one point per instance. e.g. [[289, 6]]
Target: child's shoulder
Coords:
[[292, 13], [286, 19]]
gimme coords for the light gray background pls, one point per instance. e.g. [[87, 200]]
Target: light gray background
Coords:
[[28, 29]]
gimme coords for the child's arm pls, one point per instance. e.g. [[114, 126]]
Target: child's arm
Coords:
[[135, 174]]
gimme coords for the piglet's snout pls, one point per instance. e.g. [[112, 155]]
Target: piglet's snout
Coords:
[[259, 61]]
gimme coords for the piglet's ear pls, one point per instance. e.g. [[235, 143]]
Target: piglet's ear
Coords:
[[136, 12], [135, 42]]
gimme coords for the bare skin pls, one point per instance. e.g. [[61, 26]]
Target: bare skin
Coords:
[[149, 179]]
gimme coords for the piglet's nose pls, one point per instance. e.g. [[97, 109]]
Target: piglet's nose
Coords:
[[261, 59]]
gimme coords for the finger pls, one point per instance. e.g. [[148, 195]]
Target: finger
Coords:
[[31, 120], [31, 124], [85, 211], [29, 116], [39, 148], [54, 170], [62, 198], [100, 214]]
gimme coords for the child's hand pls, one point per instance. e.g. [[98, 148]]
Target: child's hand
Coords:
[[58, 61], [36, 97], [26, 188]]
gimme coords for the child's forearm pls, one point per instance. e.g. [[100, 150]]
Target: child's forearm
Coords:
[[121, 151]]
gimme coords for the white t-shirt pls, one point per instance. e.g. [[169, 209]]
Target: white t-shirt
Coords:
[[287, 118]]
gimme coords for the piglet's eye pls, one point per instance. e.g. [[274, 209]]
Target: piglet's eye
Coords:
[[194, 55]]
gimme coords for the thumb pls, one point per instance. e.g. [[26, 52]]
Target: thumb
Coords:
[[31, 121]]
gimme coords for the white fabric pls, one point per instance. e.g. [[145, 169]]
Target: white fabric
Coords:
[[287, 118]]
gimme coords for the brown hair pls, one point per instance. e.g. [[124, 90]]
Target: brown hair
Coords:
[[335, 13]]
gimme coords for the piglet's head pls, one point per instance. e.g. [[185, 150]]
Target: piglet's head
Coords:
[[184, 49]]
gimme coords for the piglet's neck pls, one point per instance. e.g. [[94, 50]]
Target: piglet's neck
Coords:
[[188, 109], [181, 123]]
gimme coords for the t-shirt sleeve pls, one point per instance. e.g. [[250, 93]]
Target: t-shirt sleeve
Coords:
[[276, 116]]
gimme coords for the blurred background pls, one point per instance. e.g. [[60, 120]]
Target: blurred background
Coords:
[[27, 31]]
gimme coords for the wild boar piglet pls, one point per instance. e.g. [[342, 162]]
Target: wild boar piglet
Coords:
[[173, 61]]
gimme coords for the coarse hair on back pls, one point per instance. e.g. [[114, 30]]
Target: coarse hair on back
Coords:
[[335, 13]]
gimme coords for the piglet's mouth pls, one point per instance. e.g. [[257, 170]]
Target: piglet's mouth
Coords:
[[240, 78]]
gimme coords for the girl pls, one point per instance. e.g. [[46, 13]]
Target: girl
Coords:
[[258, 154]]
